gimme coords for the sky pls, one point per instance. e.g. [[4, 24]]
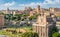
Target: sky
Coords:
[[21, 4]]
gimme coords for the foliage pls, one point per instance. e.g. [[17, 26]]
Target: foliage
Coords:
[[33, 17], [18, 14], [18, 18], [13, 18], [13, 32], [21, 15], [8, 16], [54, 29], [1, 13], [56, 34], [24, 15], [30, 34]]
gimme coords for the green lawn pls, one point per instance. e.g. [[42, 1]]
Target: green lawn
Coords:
[[14, 34]]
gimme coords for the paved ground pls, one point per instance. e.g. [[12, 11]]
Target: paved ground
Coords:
[[3, 36]]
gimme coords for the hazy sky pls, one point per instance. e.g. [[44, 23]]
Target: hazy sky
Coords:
[[20, 4]]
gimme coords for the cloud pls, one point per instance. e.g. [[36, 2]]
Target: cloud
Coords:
[[8, 4], [51, 2], [46, 2], [30, 4]]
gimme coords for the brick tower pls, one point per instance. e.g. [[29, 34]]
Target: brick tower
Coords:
[[1, 20], [38, 9]]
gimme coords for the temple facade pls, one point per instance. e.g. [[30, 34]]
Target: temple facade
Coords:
[[44, 24]]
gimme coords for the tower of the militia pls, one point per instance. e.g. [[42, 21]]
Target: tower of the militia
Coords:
[[7, 11], [38, 9]]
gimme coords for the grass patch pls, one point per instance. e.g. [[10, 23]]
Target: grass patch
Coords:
[[17, 34]]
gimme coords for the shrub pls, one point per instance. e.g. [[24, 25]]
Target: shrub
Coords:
[[30, 34], [56, 34]]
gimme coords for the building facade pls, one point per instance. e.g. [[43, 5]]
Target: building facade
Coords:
[[1, 20], [44, 24], [41, 26]]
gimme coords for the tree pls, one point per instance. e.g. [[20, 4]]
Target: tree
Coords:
[[30, 34], [24, 15], [2, 13], [32, 17], [54, 30], [12, 18], [56, 34], [18, 16]]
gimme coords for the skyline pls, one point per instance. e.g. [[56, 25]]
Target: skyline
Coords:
[[21, 4]]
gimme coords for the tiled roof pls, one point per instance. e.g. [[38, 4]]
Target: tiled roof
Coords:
[[57, 9]]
